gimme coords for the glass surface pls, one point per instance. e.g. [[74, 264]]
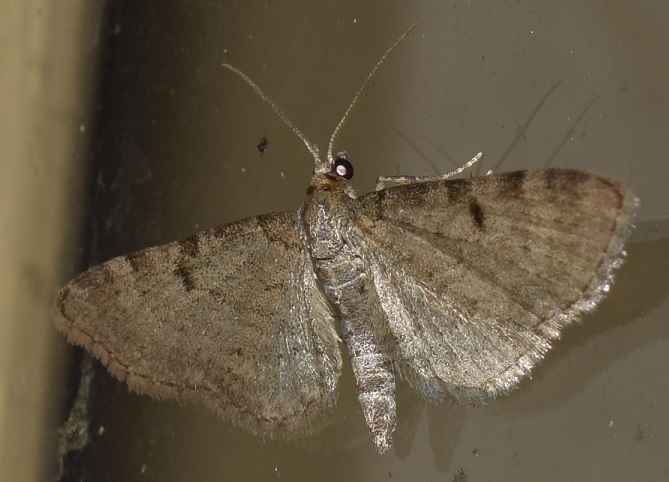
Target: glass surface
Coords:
[[171, 149]]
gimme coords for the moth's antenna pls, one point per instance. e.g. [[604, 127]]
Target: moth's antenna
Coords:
[[284, 117], [357, 95]]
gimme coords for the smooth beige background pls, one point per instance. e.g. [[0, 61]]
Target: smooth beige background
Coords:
[[167, 146], [45, 87]]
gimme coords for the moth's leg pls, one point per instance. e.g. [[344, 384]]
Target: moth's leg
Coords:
[[382, 180]]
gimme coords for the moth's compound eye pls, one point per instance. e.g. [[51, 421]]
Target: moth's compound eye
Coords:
[[342, 168]]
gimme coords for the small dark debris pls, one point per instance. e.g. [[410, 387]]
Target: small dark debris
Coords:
[[460, 476], [262, 145]]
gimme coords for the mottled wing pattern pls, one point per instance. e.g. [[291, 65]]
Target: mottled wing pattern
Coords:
[[231, 317], [476, 276]]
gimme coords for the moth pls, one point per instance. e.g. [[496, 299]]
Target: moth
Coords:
[[457, 286]]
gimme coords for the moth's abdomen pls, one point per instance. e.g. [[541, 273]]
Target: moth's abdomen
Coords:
[[347, 287], [376, 393]]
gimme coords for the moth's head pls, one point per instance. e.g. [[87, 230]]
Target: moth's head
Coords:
[[342, 168], [339, 169], [333, 176]]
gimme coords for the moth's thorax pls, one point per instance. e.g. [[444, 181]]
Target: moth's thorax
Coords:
[[326, 216]]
